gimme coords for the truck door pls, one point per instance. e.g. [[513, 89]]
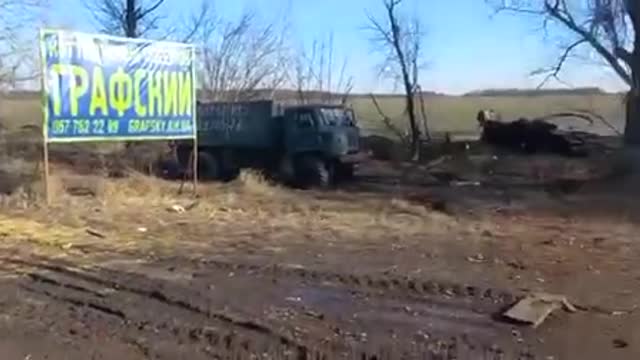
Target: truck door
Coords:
[[301, 131]]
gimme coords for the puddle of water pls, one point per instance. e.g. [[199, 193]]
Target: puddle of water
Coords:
[[439, 316]]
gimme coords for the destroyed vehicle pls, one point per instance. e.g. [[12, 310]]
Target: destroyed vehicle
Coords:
[[530, 136]]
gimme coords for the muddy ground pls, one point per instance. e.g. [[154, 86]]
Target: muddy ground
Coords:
[[405, 262]]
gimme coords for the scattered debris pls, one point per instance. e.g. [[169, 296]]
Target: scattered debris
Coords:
[[180, 209], [518, 265], [605, 311], [96, 233], [477, 259], [535, 308], [315, 315], [597, 241], [620, 344], [517, 335], [465, 183], [192, 206], [177, 209]]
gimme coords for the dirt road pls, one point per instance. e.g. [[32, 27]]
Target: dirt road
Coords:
[[176, 309]]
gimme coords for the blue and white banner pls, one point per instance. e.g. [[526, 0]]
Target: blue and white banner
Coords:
[[99, 88]]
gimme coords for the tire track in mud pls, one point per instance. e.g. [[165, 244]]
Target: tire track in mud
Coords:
[[160, 297], [476, 309], [90, 304], [389, 284], [230, 341], [251, 337], [142, 333]]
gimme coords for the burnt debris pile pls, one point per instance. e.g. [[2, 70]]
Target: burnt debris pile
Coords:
[[536, 135]]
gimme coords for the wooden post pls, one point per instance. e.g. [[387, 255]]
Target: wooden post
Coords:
[[45, 117], [47, 189], [194, 161], [195, 116]]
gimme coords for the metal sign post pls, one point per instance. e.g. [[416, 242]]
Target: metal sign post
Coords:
[[195, 125], [45, 117]]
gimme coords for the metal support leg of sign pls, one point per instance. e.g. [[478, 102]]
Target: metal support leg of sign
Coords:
[[195, 122], [191, 168], [194, 160], [47, 189], [45, 118]]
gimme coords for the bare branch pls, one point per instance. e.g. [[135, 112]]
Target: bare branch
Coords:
[[388, 122], [400, 43], [18, 20], [555, 70], [141, 13], [241, 57], [314, 74], [603, 26]]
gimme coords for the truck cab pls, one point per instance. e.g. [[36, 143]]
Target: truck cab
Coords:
[[322, 141], [327, 130]]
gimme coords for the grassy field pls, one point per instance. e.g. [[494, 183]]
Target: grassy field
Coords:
[[455, 114]]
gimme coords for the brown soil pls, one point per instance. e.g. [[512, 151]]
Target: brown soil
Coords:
[[400, 264]]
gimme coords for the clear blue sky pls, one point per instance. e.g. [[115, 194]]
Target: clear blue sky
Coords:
[[465, 47]]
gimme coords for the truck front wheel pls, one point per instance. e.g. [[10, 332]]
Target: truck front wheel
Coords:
[[344, 172], [314, 172]]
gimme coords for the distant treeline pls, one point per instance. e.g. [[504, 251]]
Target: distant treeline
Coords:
[[286, 94], [537, 92]]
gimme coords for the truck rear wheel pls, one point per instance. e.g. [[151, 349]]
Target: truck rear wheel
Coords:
[[208, 166], [314, 172]]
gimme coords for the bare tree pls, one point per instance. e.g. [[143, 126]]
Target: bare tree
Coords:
[[130, 18], [400, 42], [16, 55], [314, 75], [242, 59], [608, 28], [142, 18]]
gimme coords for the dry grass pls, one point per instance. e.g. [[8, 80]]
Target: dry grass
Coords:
[[255, 182], [15, 229], [248, 209]]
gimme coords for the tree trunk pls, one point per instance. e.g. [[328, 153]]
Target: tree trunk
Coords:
[[632, 126], [131, 20], [415, 132]]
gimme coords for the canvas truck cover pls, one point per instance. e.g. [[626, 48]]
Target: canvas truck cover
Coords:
[[237, 124]]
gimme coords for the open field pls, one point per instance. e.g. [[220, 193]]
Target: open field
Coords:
[[455, 114]]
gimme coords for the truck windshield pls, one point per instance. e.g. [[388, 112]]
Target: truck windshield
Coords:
[[336, 117]]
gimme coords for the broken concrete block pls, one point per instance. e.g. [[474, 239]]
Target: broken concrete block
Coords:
[[535, 308]]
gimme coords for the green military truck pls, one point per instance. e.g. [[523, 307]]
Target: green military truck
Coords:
[[307, 145]]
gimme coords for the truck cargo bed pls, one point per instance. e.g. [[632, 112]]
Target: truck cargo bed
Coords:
[[238, 124]]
